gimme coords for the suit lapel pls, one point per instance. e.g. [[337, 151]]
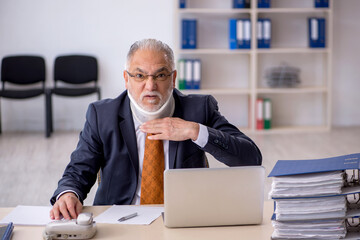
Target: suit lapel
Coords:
[[173, 145], [127, 129]]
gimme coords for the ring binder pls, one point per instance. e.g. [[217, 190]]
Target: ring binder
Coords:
[[301, 210]]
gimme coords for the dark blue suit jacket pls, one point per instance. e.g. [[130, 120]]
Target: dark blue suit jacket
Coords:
[[108, 142]]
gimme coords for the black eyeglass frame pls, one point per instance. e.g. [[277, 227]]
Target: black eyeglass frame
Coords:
[[146, 76]]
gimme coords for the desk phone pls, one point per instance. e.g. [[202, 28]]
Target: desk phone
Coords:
[[81, 228]]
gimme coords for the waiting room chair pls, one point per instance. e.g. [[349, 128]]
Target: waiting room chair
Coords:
[[23, 77], [78, 75]]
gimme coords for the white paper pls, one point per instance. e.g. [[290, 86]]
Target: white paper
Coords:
[[313, 184], [145, 215], [28, 215]]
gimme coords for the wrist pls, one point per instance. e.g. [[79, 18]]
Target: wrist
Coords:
[[65, 193], [195, 131]]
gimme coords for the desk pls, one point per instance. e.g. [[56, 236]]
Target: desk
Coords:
[[157, 230]]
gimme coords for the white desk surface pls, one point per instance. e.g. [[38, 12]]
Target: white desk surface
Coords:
[[157, 231]]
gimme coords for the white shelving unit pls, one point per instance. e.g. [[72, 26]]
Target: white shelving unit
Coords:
[[236, 77]]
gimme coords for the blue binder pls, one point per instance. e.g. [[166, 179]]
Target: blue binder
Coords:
[[189, 31], [260, 33], [189, 73], [317, 3], [182, 3], [184, 29], [241, 3], [232, 34], [321, 3], [247, 34], [322, 37], [192, 34], [264, 3], [242, 33], [325, 3], [264, 36], [266, 33], [293, 167], [317, 32], [196, 76]]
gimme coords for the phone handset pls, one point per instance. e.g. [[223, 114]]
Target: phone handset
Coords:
[[81, 228]]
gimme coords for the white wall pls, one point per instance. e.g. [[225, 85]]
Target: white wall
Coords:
[[106, 29]]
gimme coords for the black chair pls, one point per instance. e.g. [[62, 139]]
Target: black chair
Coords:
[[78, 74], [24, 72]]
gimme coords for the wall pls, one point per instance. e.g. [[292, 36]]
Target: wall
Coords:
[[103, 28], [106, 29]]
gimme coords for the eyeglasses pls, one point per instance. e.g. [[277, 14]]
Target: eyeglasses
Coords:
[[140, 77]]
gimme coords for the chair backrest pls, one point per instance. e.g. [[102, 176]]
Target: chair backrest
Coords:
[[23, 70], [76, 69]]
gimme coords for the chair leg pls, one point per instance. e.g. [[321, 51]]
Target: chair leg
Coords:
[[48, 113], [0, 119], [99, 94]]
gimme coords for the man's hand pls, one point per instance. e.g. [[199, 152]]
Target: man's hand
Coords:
[[174, 129], [68, 205]]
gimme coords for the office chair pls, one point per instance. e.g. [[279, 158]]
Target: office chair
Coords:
[[76, 72], [23, 71]]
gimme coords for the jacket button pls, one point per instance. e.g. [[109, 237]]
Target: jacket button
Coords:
[[216, 141]]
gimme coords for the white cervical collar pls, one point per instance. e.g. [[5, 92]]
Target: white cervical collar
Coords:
[[141, 115]]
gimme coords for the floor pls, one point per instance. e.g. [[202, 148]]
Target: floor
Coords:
[[31, 165]]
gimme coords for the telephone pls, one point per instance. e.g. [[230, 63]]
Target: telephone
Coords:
[[81, 228]]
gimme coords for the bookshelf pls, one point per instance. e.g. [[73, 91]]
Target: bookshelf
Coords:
[[236, 77]]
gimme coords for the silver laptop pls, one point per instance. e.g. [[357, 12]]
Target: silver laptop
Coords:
[[213, 196]]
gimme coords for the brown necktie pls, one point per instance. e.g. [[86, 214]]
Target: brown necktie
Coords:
[[152, 180]]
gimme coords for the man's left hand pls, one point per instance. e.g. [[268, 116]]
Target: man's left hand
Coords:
[[174, 129]]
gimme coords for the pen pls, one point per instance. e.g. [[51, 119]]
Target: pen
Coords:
[[127, 217]]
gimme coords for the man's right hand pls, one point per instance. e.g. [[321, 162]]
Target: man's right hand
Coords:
[[68, 205]]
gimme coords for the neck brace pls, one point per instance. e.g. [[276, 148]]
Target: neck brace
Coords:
[[141, 115]]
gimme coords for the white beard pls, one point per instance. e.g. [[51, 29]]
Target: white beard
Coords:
[[166, 110]]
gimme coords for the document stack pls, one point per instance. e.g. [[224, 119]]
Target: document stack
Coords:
[[316, 199]]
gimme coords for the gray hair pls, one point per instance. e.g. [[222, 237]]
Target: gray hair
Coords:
[[151, 44]]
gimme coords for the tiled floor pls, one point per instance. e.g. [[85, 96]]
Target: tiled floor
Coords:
[[31, 165]]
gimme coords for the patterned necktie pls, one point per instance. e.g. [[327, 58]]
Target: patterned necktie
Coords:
[[152, 180]]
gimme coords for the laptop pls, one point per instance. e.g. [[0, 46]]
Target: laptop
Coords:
[[213, 196]]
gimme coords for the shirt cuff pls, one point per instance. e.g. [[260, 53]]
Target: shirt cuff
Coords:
[[66, 191], [203, 136]]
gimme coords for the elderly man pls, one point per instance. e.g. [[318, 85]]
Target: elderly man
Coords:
[[148, 128]]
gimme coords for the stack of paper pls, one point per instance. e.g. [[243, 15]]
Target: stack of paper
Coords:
[[329, 229], [305, 185], [310, 208], [311, 198]]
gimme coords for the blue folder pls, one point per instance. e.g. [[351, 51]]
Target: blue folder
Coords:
[[293, 167]]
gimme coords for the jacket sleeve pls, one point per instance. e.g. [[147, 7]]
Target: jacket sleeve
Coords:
[[80, 174], [226, 143]]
